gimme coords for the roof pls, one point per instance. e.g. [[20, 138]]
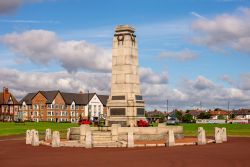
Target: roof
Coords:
[[28, 98], [78, 98], [241, 112], [50, 95], [6, 102], [220, 112], [103, 99], [194, 112]]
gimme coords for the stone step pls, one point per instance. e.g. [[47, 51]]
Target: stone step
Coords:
[[98, 133], [99, 142], [101, 138]]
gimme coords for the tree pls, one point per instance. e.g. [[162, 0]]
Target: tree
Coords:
[[221, 117], [232, 116], [187, 118], [204, 115], [178, 115]]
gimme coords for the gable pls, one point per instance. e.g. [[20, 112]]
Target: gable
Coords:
[[39, 98], [95, 100], [59, 99]]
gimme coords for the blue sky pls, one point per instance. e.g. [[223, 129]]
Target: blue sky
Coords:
[[190, 51]]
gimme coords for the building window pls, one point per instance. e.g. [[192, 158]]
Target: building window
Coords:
[[48, 106], [72, 107], [64, 107]]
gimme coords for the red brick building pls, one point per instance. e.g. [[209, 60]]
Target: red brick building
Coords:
[[59, 106], [8, 106]]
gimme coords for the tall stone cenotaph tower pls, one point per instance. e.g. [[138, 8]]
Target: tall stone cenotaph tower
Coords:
[[125, 104]]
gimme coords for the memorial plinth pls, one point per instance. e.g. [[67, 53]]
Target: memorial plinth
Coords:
[[125, 104]]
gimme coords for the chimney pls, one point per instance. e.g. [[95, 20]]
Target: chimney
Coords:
[[6, 94]]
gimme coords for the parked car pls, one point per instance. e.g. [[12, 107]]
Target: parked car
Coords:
[[85, 121], [142, 123], [172, 121]]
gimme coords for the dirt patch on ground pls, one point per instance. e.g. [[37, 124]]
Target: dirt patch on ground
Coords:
[[14, 153]]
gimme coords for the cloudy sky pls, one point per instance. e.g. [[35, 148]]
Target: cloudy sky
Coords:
[[191, 52]]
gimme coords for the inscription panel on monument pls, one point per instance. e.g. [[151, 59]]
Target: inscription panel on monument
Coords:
[[118, 97], [117, 111]]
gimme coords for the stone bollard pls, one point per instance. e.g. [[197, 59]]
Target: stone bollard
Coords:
[[48, 134], [28, 137], [88, 141], [218, 135], [35, 138], [56, 139], [170, 138], [201, 136], [114, 131], [224, 134], [68, 134], [131, 139], [83, 130]]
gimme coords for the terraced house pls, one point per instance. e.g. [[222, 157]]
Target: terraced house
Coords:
[[59, 106], [8, 106]]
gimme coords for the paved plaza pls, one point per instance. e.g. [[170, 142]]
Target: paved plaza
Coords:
[[15, 153]]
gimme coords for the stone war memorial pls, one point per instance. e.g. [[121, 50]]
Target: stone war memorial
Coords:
[[125, 104], [125, 108]]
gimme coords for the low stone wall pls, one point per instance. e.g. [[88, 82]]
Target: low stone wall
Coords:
[[149, 137], [118, 136], [150, 130], [140, 133]]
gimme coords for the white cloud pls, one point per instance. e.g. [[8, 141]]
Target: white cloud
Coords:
[[212, 94], [187, 95], [24, 82], [245, 81], [149, 76], [183, 55], [225, 31], [242, 83], [202, 83], [43, 47]]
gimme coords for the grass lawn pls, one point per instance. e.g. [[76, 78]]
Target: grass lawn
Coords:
[[11, 128], [232, 129]]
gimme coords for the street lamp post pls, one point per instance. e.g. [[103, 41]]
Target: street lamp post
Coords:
[[88, 107]]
